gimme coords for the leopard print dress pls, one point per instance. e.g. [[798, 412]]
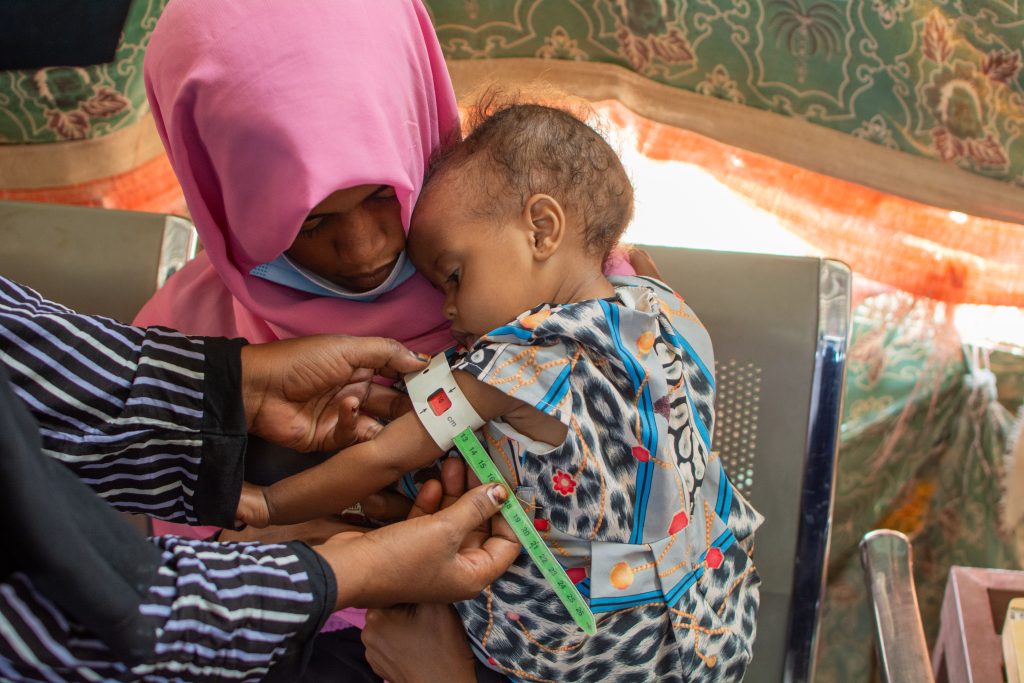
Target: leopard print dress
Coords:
[[633, 503]]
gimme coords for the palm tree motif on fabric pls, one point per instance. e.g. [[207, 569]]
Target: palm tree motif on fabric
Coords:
[[649, 29], [806, 32]]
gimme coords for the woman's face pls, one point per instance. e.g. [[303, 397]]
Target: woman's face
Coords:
[[352, 238]]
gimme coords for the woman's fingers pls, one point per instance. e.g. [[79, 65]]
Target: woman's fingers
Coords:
[[453, 480], [365, 427], [314, 532], [424, 645]]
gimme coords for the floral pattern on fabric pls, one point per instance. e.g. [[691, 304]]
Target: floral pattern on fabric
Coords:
[[76, 103], [933, 79], [922, 447]]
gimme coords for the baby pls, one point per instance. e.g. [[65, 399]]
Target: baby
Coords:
[[599, 398]]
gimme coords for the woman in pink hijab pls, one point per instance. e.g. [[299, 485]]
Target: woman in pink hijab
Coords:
[[300, 132]]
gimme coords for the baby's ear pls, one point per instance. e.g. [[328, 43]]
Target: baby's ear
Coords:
[[546, 222]]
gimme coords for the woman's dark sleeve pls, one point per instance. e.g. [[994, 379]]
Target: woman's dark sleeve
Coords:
[[84, 597], [151, 419]]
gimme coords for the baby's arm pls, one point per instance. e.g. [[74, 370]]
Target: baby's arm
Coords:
[[363, 469]]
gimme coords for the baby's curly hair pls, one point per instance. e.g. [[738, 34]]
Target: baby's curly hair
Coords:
[[529, 148]]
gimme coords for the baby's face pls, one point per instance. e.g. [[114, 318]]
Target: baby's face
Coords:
[[482, 265]]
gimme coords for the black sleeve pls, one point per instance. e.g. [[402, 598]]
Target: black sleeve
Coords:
[[151, 419]]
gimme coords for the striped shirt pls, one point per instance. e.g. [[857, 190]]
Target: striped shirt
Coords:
[[151, 420]]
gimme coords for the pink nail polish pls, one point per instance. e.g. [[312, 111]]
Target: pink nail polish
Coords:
[[497, 494]]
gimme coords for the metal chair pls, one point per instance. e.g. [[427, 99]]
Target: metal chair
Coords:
[[97, 261], [969, 645], [899, 634], [780, 328]]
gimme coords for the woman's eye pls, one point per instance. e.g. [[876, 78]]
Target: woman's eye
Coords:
[[385, 192], [311, 226], [454, 277]]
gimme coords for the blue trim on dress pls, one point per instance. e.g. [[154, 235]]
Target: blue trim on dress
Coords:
[[648, 426], [513, 330], [724, 502], [679, 340], [705, 436], [557, 391]]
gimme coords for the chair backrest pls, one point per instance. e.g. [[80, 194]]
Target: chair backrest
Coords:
[[780, 328], [97, 261]]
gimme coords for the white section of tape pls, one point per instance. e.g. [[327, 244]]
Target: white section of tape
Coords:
[[441, 406]]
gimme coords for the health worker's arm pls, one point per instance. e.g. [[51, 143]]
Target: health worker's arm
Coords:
[[156, 421]]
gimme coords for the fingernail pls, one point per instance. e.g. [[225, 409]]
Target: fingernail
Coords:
[[497, 494], [422, 356], [375, 429]]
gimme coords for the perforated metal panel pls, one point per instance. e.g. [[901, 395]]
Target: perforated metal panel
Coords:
[[779, 327], [737, 403]]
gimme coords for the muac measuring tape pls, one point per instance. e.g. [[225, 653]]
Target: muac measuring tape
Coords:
[[449, 418]]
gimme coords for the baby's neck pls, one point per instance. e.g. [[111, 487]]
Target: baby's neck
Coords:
[[582, 286]]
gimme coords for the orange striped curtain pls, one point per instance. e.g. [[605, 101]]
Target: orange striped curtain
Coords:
[[926, 251]]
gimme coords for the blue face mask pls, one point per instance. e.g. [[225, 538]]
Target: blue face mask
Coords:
[[284, 271]]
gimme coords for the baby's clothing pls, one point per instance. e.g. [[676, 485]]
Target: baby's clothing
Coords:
[[632, 503]]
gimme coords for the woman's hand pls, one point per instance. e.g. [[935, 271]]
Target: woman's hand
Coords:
[[440, 556], [421, 643], [252, 507], [383, 507], [313, 532], [424, 642], [307, 394], [643, 264]]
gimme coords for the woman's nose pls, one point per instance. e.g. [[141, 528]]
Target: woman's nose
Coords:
[[362, 242]]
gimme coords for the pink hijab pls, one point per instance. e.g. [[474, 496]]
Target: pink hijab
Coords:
[[267, 108]]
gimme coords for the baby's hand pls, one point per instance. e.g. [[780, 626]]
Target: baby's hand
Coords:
[[252, 507]]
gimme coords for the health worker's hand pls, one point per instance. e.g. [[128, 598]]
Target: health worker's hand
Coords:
[[312, 394], [313, 532], [436, 557], [425, 642], [418, 644]]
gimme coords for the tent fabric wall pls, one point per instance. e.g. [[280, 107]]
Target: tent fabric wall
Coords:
[[914, 247], [84, 135], [930, 78], [922, 450]]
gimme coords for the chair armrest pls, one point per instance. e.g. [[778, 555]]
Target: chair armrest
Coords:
[[899, 636]]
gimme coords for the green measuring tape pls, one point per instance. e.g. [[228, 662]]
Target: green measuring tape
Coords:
[[473, 451]]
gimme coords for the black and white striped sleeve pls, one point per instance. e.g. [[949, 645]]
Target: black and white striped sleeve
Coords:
[[151, 419], [221, 611]]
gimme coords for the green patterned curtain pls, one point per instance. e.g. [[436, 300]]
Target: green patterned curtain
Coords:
[[937, 79], [75, 103], [922, 450]]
